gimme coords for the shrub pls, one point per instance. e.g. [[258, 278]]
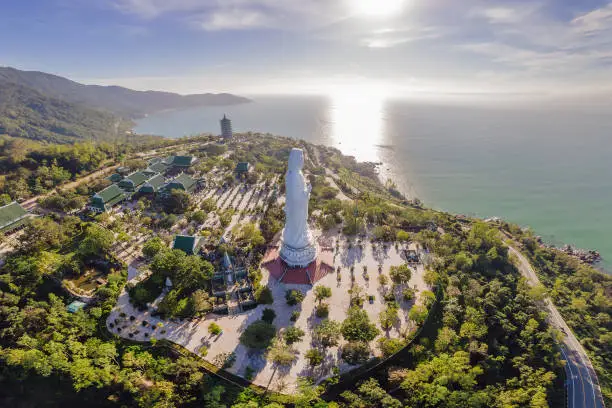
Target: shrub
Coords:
[[408, 294], [293, 335], [322, 310], [314, 357], [263, 296], [214, 329], [294, 315], [293, 297], [388, 347], [356, 352], [225, 360], [268, 315], [258, 335]]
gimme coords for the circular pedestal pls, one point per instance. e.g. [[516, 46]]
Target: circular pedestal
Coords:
[[298, 257]]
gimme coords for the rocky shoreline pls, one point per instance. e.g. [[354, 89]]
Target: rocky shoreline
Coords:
[[588, 256]]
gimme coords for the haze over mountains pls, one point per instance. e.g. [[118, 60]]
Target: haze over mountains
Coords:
[[41, 106]]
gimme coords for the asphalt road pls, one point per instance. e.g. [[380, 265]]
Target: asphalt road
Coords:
[[582, 385]]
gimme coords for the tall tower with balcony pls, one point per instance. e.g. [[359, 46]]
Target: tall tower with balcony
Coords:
[[226, 128]]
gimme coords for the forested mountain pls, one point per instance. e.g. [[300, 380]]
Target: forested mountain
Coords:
[[27, 113], [121, 101]]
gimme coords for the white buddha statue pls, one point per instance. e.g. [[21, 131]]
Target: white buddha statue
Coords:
[[298, 249]]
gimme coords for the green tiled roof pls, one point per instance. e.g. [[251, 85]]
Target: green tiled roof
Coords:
[[138, 178], [115, 177], [242, 167], [154, 160], [185, 180], [149, 173], [11, 214], [183, 161], [159, 167], [153, 184], [109, 193], [185, 243], [133, 181]]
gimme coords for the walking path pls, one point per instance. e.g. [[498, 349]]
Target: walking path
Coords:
[[582, 386]]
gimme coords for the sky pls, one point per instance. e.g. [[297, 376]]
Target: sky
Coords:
[[400, 47]]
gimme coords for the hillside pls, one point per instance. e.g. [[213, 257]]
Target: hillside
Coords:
[[118, 100], [27, 113]]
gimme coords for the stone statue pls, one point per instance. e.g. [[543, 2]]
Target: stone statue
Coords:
[[298, 249]]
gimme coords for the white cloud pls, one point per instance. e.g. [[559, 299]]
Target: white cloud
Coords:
[[595, 21], [239, 14], [391, 37], [235, 19], [503, 14], [531, 40]]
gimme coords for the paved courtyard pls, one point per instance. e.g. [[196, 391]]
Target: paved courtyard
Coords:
[[193, 334]]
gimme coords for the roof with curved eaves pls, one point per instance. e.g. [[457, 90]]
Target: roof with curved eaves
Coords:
[[11, 214], [185, 180]]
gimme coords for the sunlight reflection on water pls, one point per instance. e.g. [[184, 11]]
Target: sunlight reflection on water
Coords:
[[357, 123]]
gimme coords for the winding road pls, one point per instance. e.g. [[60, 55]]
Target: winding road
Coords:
[[582, 386]]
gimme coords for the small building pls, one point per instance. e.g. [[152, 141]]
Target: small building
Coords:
[[12, 217], [115, 177], [104, 200], [133, 181], [186, 243], [183, 162], [242, 168], [159, 167], [152, 185], [183, 182], [226, 128], [124, 171], [149, 173], [75, 306]]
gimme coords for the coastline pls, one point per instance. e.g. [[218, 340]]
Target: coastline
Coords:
[[387, 170]]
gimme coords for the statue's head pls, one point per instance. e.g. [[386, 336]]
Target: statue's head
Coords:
[[296, 159]]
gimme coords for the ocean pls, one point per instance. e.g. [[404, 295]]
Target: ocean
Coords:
[[543, 165]]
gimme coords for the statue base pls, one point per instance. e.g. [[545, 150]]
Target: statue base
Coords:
[[298, 257], [319, 267]]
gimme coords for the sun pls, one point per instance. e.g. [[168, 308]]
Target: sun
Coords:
[[377, 8]]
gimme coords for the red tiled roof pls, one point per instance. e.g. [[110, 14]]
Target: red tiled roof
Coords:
[[300, 276]]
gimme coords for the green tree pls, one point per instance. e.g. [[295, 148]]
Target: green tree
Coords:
[[153, 246], [400, 274], [293, 334], [356, 352], [258, 335], [327, 333], [314, 356], [357, 326], [322, 292], [280, 353], [177, 202], [97, 242], [418, 314]]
